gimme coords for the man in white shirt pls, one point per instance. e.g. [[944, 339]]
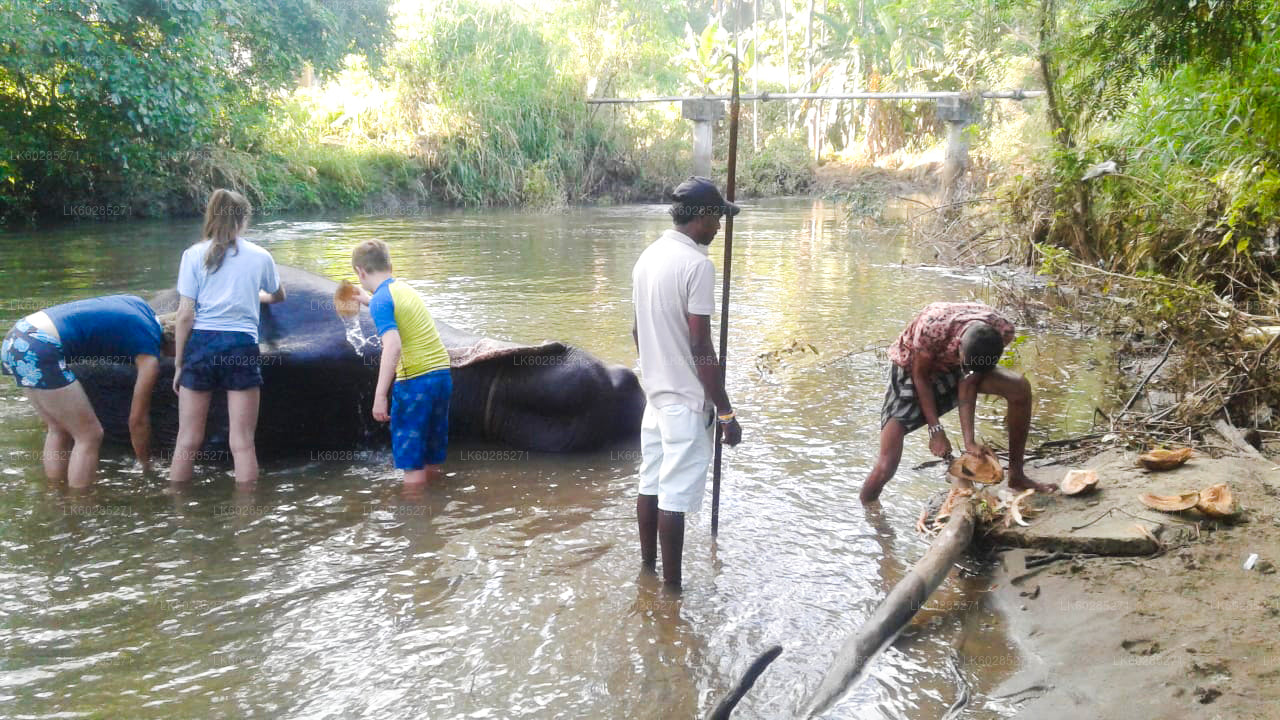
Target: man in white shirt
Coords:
[[673, 290]]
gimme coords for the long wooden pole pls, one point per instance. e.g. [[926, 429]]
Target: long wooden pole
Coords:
[[724, 292], [895, 611]]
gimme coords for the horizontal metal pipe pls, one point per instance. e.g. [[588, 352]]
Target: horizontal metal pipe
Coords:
[[993, 94]]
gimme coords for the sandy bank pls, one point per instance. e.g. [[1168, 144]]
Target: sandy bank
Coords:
[[1186, 633]]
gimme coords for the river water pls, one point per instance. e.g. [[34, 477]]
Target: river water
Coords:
[[512, 589]]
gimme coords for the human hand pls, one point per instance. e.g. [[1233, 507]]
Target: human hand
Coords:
[[939, 445], [731, 432], [177, 374], [380, 408]]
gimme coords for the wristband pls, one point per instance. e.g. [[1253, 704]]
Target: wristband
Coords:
[[935, 429], [727, 418]]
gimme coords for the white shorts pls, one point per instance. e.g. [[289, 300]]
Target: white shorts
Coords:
[[676, 444]]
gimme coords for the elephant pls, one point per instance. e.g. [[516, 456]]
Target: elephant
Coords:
[[319, 375]]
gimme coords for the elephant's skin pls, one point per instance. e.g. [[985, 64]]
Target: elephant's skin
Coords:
[[317, 392]]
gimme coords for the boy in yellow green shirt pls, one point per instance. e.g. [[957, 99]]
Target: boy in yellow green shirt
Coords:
[[417, 403]]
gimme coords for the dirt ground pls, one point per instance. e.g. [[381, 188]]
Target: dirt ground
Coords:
[[1184, 633]]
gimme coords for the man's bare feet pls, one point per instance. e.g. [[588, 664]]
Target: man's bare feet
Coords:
[[1019, 481]]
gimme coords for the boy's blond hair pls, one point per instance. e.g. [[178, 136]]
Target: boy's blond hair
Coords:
[[372, 256], [168, 327]]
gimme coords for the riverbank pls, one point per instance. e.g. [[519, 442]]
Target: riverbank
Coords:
[[1184, 633]]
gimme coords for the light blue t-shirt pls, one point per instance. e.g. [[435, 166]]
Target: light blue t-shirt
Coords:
[[228, 299]]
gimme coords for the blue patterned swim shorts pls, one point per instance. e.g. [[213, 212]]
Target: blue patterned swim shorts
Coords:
[[34, 358], [420, 420]]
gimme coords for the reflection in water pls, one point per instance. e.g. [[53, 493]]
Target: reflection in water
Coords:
[[510, 589]]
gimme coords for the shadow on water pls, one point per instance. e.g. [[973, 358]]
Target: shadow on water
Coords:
[[512, 589]]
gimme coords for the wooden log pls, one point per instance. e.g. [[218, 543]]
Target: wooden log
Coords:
[[896, 610]]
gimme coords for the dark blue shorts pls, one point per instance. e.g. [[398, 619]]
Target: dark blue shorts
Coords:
[[220, 360], [34, 358], [420, 420]]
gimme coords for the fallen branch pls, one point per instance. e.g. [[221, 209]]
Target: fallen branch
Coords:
[[895, 611], [1147, 379]]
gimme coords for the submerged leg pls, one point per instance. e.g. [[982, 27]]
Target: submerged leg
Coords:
[[647, 521], [891, 436], [671, 537]]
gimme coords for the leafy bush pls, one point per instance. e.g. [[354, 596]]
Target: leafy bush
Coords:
[[784, 166]]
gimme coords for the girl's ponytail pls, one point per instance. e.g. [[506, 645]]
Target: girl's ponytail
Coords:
[[224, 218]]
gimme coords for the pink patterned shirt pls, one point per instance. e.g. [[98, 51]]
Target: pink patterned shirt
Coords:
[[937, 330]]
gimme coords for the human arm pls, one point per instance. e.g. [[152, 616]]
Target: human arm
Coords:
[[707, 366], [182, 324], [148, 370], [922, 370], [267, 298], [386, 375], [967, 402], [270, 289], [635, 333]]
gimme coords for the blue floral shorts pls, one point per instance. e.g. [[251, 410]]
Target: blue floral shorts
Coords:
[[34, 358]]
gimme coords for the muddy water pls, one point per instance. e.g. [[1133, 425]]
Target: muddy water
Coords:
[[512, 590]]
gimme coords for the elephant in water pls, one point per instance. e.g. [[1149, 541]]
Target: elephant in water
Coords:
[[319, 374]]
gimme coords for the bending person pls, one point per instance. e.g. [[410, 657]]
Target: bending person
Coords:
[[948, 355], [116, 328]]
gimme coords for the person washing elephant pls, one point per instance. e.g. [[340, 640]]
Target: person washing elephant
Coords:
[[674, 297], [113, 329], [414, 380], [223, 281], [948, 354]]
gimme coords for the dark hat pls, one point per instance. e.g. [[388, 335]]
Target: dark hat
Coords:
[[699, 192]]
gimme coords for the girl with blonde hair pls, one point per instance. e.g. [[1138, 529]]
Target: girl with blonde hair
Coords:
[[222, 282]]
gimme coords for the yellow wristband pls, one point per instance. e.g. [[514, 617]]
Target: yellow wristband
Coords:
[[727, 417]]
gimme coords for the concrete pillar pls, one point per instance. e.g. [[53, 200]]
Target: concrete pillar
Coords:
[[959, 113], [703, 113]]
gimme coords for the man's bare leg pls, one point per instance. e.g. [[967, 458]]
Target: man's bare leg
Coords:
[[671, 538], [647, 522], [1016, 391], [891, 436]]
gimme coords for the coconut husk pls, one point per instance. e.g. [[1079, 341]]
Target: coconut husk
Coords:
[[1078, 482], [1217, 501], [346, 300], [983, 468], [1164, 459], [1170, 503]]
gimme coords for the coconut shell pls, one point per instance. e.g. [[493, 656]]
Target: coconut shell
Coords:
[[346, 300], [983, 468], [1217, 501], [1170, 503], [1164, 459], [1077, 482]]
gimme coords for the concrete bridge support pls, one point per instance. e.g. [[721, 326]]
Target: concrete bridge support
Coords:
[[703, 113], [960, 114]]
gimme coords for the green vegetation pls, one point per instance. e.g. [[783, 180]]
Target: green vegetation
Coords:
[[126, 107], [1183, 101]]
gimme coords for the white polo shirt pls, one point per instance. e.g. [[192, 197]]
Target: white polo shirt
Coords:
[[673, 279]]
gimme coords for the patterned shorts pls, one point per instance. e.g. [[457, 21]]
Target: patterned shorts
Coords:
[[34, 358], [420, 420], [901, 403]]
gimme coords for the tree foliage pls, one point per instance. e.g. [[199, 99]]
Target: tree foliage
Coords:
[[95, 94]]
